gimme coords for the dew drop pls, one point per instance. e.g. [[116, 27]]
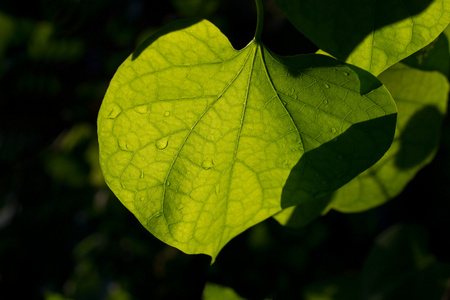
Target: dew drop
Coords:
[[114, 112], [208, 164], [168, 183], [217, 190], [142, 174], [162, 143], [346, 73], [325, 101], [142, 109], [333, 130], [123, 144], [284, 103], [167, 113], [326, 85], [142, 199]]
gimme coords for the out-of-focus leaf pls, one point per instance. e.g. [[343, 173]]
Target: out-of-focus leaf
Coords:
[[400, 267], [337, 288], [214, 291], [7, 28], [55, 296], [44, 47]]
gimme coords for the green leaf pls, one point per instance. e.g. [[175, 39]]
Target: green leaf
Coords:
[[372, 35], [421, 98], [434, 57], [218, 292], [8, 26], [198, 139], [302, 214]]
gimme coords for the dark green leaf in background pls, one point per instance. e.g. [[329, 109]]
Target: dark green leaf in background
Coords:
[[218, 292], [373, 35], [400, 266], [421, 97]]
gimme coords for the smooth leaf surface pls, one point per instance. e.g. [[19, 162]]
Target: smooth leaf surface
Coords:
[[421, 98], [198, 139], [372, 35]]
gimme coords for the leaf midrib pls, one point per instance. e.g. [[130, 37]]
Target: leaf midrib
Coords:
[[195, 124]]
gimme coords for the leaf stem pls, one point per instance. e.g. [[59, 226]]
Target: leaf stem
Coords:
[[259, 19]]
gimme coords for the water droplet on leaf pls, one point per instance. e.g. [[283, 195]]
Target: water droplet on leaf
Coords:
[[142, 109], [142, 174], [162, 143], [346, 73], [208, 164], [326, 85], [333, 130], [123, 143], [115, 111], [217, 189], [167, 113]]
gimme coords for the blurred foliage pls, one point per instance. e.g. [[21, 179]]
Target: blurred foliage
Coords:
[[218, 292], [63, 235]]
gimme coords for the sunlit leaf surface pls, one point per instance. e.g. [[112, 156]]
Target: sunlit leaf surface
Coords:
[[198, 139]]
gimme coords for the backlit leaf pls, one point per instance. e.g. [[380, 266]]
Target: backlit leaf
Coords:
[[370, 34], [198, 139], [421, 97]]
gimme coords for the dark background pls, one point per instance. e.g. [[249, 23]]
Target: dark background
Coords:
[[63, 234]]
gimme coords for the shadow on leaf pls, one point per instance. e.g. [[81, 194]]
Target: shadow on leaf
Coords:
[[419, 137], [326, 22], [333, 164]]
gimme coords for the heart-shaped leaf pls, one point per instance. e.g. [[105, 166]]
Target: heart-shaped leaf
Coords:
[[371, 34], [198, 139]]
